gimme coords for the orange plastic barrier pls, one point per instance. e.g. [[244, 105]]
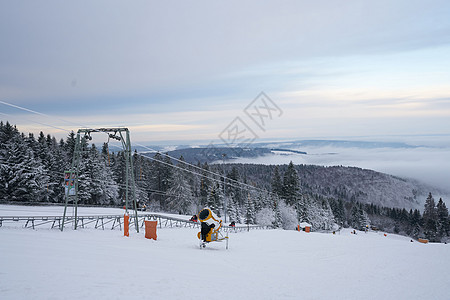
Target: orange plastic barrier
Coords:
[[425, 241], [126, 225], [150, 229], [298, 227], [307, 229]]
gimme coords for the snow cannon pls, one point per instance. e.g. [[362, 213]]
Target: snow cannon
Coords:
[[210, 225]]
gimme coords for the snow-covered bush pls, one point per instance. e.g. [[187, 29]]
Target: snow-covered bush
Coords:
[[321, 219], [265, 216], [288, 216]]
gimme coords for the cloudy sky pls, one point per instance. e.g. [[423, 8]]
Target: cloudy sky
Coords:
[[184, 70]]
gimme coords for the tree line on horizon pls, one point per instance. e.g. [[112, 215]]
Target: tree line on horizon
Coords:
[[32, 171]]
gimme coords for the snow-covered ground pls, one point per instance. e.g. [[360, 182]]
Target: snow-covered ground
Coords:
[[260, 264]]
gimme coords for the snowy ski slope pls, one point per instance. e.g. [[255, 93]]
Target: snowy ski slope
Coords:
[[260, 264]]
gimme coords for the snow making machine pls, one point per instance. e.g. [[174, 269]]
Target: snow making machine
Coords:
[[211, 225]]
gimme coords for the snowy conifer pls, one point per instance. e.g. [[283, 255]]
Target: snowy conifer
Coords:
[[180, 198], [277, 185], [430, 219], [290, 185], [250, 212], [442, 219]]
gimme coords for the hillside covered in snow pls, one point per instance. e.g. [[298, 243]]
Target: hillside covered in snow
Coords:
[[259, 264]]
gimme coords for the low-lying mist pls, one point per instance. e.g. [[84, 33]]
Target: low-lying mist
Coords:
[[428, 165]]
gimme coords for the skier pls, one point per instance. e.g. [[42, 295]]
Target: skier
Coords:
[[233, 224]]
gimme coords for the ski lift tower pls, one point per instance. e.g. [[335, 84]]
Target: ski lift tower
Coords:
[[120, 134]]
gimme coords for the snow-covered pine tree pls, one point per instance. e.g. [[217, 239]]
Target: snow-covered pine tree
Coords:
[[278, 222], [53, 160], [415, 220], [277, 185], [213, 198], [84, 174], [23, 174], [258, 201], [232, 188], [301, 207], [338, 210], [250, 212], [288, 215], [205, 185], [430, 219], [95, 170], [358, 217], [60, 165], [290, 185], [70, 145], [180, 199], [7, 132], [267, 200], [161, 174], [233, 210], [141, 168], [323, 219], [442, 219], [265, 216], [103, 189], [118, 172], [221, 199], [167, 169]]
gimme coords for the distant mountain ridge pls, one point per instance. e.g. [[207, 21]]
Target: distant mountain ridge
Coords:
[[220, 152], [288, 145], [350, 184], [333, 143]]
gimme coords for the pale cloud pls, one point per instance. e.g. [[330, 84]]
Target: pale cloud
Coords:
[[192, 125], [359, 67], [428, 165], [363, 94], [163, 127], [146, 47]]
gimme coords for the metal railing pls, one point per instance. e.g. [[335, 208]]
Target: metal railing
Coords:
[[115, 221]]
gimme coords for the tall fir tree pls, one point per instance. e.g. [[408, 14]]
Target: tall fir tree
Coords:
[[161, 175], [233, 210], [290, 185], [205, 185], [180, 198], [23, 174], [277, 185], [250, 212], [430, 219], [213, 201], [415, 221], [70, 145], [358, 217], [232, 189], [278, 222], [442, 219]]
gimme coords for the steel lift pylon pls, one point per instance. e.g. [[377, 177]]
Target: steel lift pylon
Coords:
[[120, 134]]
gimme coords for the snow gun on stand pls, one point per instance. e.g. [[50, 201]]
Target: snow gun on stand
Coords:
[[210, 228]]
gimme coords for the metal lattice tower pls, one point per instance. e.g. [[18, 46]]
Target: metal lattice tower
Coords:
[[116, 134]]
